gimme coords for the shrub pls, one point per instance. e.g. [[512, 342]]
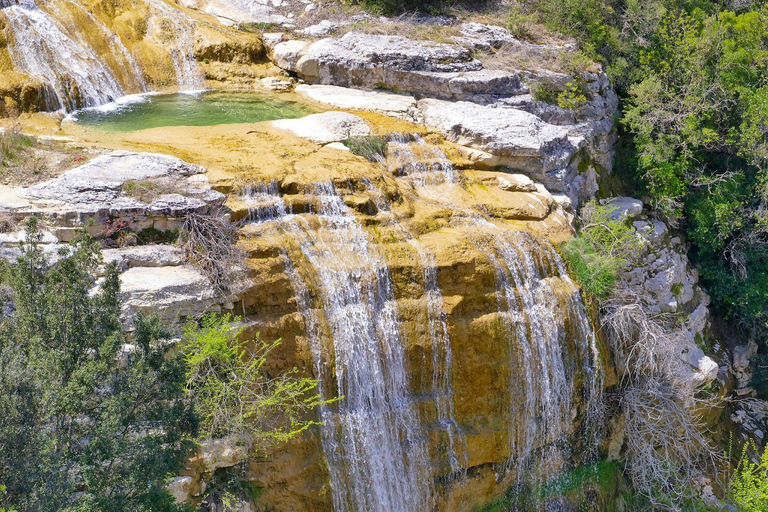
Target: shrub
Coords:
[[749, 484], [519, 22], [233, 393], [603, 247], [371, 147], [595, 273]]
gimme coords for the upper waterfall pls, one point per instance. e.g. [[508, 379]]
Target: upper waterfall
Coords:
[[74, 74], [82, 62]]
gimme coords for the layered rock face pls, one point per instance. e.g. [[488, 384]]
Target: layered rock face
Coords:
[[491, 110]]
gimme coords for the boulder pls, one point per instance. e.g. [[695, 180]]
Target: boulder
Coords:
[[101, 179], [180, 488], [625, 207], [173, 292], [516, 183], [222, 453], [276, 84], [537, 145], [396, 105], [288, 53], [742, 355], [326, 127]]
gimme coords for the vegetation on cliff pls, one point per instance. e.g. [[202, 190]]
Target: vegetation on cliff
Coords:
[[92, 418]]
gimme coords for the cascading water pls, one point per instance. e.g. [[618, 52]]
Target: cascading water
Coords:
[[375, 438], [541, 320], [47, 43], [442, 353], [171, 26], [73, 72], [372, 438], [551, 341]]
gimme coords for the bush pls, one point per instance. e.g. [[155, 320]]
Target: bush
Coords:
[[519, 22], [749, 483], [233, 393], [369, 147], [603, 247], [595, 273]]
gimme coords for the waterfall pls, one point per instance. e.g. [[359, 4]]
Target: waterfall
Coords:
[[48, 45], [372, 439], [73, 72], [551, 341], [182, 38], [375, 439], [550, 336], [437, 326]]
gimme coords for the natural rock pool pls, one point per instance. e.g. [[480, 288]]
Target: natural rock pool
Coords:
[[206, 108]]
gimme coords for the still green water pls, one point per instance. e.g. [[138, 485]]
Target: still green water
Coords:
[[200, 109]]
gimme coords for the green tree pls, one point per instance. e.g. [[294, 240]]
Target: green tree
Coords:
[[238, 399], [232, 391], [91, 420]]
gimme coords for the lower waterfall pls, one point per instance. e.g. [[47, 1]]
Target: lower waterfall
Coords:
[[375, 438]]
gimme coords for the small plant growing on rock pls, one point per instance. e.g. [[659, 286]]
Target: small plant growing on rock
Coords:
[[604, 247], [369, 147], [573, 97]]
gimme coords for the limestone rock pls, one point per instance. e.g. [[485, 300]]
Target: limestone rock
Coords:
[[144, 256], [517, 183], [222, 453], [173, 292], [176, 205], [741, 363], [504, 132], [180, 488], [399, 64], [288, 53], [326, 127], [397, 105], [275, 84], [271, 39], [101, 179], [323, 28], [626, 207]]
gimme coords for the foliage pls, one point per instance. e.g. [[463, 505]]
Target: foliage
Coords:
[[156, 236], [369, 147], [749, 483], [234, 393], [605, 245], [92, 420], [226, 492], [519, 22], [693, 79]]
